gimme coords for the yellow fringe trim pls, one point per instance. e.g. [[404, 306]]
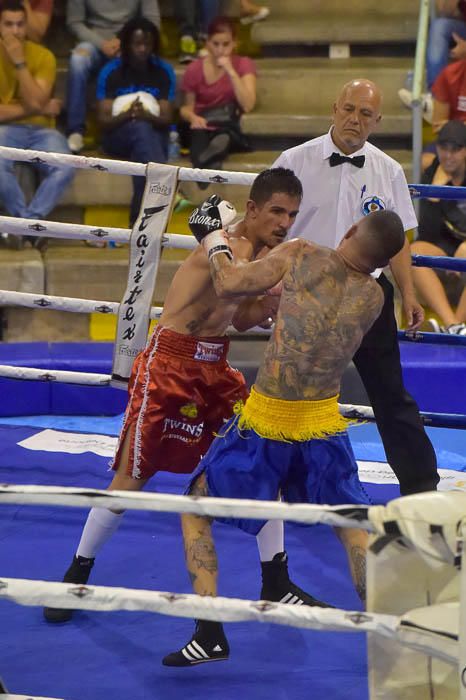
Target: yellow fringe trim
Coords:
[[296, 421]]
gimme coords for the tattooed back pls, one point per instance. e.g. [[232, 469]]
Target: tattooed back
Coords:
[[326, 308]]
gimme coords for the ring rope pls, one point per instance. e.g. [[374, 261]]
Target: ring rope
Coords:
[[8, 696], [76, 305], [123, 167], [432, 338], [55, 375], [56, 229], [219, 609], [71, 304], [309, 514], [439, 261]]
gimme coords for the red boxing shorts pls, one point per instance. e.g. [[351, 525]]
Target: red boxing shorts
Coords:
[[181, 392]]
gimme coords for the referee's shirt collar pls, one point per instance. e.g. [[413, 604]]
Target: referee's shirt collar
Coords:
[[330, 147]]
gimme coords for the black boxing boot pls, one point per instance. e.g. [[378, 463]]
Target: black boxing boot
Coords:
[[78, 573], [208, 643], [278, 588]]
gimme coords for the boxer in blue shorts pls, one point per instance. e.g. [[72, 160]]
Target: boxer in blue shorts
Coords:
[[289, 437]]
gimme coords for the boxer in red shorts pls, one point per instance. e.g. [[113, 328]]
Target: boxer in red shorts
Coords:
[[182, 389]]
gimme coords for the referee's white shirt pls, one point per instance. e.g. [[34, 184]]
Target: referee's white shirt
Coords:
[[335, 198]]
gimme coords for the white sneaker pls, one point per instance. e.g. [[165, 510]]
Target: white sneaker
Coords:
[[457, 329], [406, 96], [261, 14], [75, 142], [435, 326]]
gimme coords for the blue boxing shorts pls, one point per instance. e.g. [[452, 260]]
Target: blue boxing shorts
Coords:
[[243, 464]]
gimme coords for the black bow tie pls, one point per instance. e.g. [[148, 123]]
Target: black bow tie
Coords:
[[337, 159]]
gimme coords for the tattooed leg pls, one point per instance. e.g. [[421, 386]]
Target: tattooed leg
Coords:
[[355, 542], [199, 547]]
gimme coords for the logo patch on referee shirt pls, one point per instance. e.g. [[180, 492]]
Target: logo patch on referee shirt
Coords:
[[209, 352], [372, 204]]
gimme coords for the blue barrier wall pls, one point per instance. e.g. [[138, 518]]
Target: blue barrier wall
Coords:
[[434, 374]]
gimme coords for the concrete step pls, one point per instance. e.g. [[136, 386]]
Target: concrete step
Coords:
[[351, 27], [315, 9], [295, 95]]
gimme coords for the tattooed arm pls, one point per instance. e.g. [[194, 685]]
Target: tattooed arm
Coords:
[[232, 279]]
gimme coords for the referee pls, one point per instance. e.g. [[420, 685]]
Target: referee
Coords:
[[344, 177]]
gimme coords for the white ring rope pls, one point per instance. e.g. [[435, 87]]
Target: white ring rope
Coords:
[[57, 229], [55, 375], [335, 516], [71, 304], [123, 167], [8, 696], [218, 609], [109, 598]]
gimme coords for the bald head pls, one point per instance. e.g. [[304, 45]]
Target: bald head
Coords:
[[356, 113], [362, 86]]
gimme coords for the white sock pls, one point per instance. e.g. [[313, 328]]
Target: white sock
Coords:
[[100, 526], [271, 540]]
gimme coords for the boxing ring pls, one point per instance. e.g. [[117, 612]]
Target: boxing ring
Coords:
[[296, 651]]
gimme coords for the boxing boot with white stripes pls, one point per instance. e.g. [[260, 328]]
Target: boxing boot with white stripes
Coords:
[[78, 572], [208, 643], [278, 588]]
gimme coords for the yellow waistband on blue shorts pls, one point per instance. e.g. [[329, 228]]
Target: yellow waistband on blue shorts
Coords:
[[278, 419]]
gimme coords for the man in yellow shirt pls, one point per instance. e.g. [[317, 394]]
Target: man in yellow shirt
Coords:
[[27, 115]]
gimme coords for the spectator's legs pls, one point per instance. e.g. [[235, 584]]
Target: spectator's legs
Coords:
[[209, 9], [407, 446], [85, 60], [55, 179], [186, 14], [139, 142], [185, 11], [438, 46], [460, 252], [200, 139], [11, 194], [429, 286]]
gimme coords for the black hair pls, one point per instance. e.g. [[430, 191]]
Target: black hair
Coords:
[[133, 25], [275, 180], [12, 6], [384, 236]]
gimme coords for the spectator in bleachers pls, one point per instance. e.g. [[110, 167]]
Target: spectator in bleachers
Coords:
[[193, 17], [96, 23], [135, 96], [38, 16], [447, 39], [218, 89], [27, 116], [442, 229]]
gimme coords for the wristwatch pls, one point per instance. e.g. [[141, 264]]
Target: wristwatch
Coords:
[[21, 64]]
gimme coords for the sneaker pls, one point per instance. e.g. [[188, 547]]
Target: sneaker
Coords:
[[277, 587], [188, 49], [456, 329], [406, 96], [258, 16], [78, 572], [75, 142], [435, 326], [208, 643]]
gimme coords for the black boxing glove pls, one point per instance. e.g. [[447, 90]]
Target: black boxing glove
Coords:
[[206, 223]]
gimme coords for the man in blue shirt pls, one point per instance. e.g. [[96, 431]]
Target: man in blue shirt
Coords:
[[135, 102]]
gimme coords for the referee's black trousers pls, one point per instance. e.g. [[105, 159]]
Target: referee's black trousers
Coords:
[[407, 446]]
